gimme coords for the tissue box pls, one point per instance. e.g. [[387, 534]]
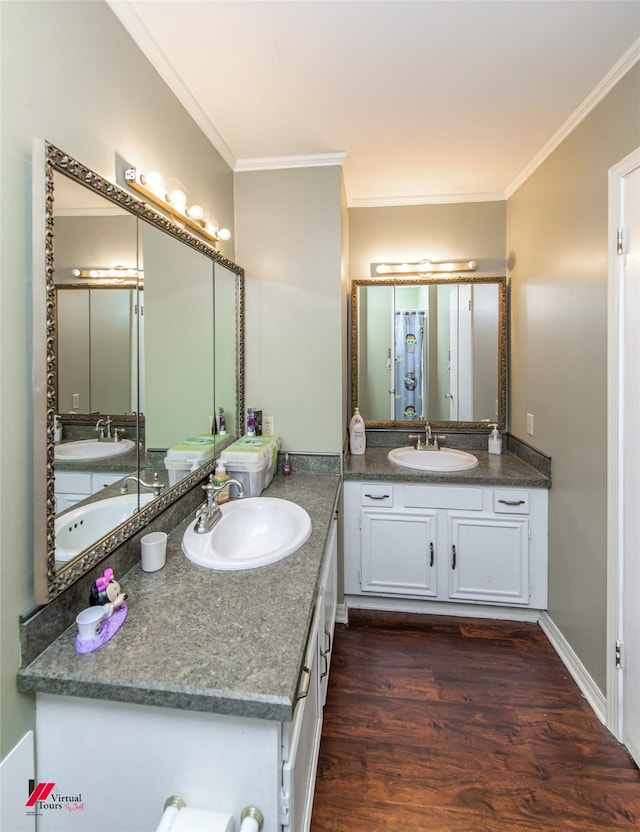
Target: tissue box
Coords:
[[253, 461], [192, 452]]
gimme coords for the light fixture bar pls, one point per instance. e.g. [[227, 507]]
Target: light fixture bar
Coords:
[[151, 186], [110, 273], [421, 269]]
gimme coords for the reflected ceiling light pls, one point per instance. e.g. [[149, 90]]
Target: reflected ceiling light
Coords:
[[151, 186], [423, 268], [112, 273]]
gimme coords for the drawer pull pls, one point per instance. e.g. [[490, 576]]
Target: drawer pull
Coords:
[[431, 554], [512, 502], [378, 496], [304, 690], [453, 557]]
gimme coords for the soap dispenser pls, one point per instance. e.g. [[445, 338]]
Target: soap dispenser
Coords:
[[220, 476], [495, 440], [357, 433]]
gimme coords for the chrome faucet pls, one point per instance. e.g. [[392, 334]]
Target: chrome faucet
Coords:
[[156, 485], [103, 424], [430, 439], [209, 512]]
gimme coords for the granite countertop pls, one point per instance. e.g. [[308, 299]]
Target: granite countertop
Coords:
[[505, 469], [198, 639]]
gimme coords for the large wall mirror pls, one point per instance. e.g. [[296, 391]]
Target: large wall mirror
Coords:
[[138, 345], [430, 349]]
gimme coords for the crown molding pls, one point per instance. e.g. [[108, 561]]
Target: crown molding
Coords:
[[431, 199], [618, 71], [131, 21], [319, 160]]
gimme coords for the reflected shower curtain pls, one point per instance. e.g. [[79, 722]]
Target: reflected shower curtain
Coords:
[[409, 364]]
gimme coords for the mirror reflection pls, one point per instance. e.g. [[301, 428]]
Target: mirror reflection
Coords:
[[144, 336], [430, 350]]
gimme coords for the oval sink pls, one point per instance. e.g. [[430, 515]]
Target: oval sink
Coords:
[[428, 459], [254, 531], [80, 527], [88, 449]]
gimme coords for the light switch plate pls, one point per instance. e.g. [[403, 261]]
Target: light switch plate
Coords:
[[530, 424]]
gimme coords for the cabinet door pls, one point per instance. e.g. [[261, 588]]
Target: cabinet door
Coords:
[[489, 559], [301, 745], [398, 552], [329, 601]]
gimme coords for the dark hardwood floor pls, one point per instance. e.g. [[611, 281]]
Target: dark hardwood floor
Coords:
[[463, 725]]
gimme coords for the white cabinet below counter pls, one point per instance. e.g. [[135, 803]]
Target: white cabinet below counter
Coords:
[[448, 543], [73, 486], [101, 751]]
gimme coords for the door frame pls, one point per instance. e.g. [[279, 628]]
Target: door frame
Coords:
[[615, 436]]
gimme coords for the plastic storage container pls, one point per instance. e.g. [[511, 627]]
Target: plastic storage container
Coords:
[[252, 460], [190, 454]]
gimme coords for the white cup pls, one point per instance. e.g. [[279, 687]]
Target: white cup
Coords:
[[154, 551], [89, 622]]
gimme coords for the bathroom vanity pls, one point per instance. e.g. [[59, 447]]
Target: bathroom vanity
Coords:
[[213, 689], [477, 537]]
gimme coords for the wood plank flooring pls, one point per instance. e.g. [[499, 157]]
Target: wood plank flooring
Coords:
[[438, 724]]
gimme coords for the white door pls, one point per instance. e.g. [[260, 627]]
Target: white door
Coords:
[[623, 684]]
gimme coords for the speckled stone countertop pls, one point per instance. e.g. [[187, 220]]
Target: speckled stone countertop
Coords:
[[198, 639], [505, 469]]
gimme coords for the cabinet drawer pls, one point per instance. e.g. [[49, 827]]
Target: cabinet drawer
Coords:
[[510, 501], [69, 482], [430, 496], [100, 481], [376, 495]]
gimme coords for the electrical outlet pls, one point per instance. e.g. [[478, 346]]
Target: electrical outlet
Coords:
[[268, 426], [530, 424], [75, 400]]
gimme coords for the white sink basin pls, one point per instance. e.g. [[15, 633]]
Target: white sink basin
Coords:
[[78, 528], [254, 531], [88, 449], [428, 459]]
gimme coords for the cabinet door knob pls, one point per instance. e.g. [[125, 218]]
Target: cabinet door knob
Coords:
[[453, 557]]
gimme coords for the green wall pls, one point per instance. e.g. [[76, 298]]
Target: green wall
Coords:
[[557, 225], [72, 75]]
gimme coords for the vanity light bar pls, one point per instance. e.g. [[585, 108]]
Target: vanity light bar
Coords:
[[421, 269], [151, 186], [115, 273]]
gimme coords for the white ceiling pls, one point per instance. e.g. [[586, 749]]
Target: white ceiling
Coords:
[[430, 100]]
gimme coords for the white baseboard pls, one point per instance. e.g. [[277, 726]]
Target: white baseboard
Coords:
[[365, 602], [342, 614], [17, 768], [581, 677]]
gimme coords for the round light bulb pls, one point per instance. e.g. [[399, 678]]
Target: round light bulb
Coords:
[[154, 182], [196, 212], [75, 272], [211, 229], [178, 200], [224, 234]]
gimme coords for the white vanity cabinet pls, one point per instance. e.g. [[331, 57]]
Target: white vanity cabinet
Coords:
[[460, 544], [101, 751], [73, 486]]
